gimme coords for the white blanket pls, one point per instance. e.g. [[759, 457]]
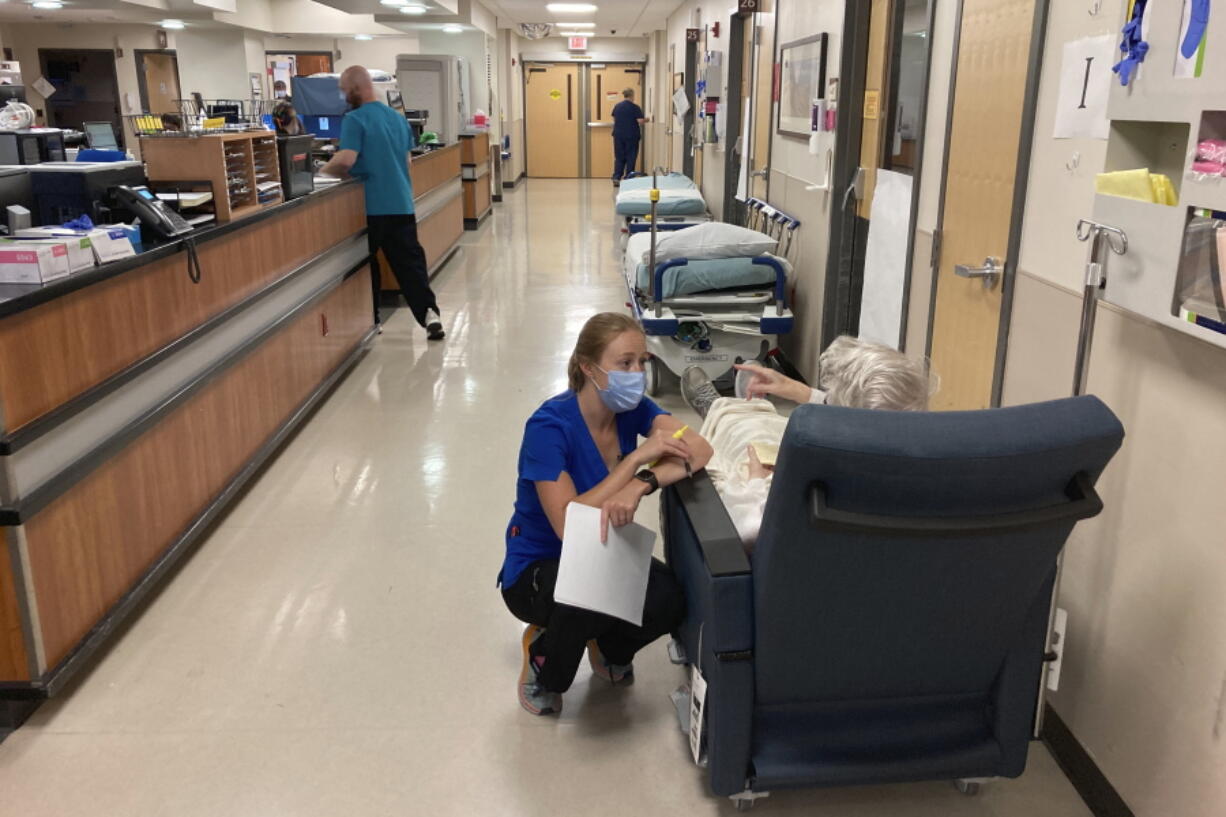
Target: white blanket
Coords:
[[730, 427]]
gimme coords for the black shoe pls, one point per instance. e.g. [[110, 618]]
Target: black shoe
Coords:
[[434, 331]]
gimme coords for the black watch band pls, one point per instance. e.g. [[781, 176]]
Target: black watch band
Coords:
[[649, 476]]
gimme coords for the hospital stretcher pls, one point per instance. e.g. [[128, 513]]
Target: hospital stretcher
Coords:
[[708, 313]]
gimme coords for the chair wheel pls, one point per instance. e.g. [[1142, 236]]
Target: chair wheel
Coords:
[[744, 805], [655, 378]]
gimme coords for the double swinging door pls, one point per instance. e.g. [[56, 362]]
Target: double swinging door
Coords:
[[569, 111]]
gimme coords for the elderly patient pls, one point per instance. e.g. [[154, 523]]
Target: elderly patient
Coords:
[[746, 433]]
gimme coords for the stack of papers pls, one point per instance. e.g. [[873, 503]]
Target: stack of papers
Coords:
[[606, 577]]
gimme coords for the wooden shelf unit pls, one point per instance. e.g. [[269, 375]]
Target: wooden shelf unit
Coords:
[[227, 161]]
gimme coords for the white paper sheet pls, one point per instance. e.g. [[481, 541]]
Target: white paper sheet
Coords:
[[1085, 83], [742, 181], [681, 103], [609, 578], [885, 260]]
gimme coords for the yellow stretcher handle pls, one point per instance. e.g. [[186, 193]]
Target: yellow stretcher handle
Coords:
[[655, 195], [678, 434]]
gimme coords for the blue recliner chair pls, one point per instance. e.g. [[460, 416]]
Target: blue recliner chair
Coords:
[[893, 622]]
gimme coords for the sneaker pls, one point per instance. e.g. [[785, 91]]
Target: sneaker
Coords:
[[616, 674], [532, 696], [698, 390]]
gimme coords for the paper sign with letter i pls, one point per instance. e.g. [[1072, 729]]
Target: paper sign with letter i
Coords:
[[606, 577]]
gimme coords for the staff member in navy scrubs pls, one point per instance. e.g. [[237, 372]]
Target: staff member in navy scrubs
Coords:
[[627, 117], [583, 446]]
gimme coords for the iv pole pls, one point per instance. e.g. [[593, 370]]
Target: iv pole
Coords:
[[1102, 237]]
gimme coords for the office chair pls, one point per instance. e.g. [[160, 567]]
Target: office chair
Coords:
[[893, 622]]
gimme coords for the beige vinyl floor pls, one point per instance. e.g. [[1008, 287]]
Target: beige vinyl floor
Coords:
[[336, 646]]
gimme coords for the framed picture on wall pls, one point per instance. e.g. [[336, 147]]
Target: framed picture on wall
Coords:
[[802, 80]]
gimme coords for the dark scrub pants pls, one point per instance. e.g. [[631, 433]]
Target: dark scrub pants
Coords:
[[568, 629]]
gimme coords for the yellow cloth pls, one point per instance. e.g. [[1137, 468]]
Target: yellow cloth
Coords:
[[1140, 185], [1164, 191], [1126, 184]]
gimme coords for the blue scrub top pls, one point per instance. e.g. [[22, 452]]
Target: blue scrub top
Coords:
[[382, 139], [626, 116], [556, 439]]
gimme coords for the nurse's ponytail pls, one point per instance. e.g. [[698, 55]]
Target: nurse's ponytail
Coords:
[[596, 335]]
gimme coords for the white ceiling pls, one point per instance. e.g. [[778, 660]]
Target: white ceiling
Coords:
[[622, 18]]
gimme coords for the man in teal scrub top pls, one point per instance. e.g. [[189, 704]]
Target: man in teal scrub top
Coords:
[[375, 145]]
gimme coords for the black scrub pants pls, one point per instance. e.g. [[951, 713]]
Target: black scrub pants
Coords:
[[397, 237], [568, 629], [625, 156]]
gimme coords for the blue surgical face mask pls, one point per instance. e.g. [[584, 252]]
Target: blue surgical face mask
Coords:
[[625, 390]]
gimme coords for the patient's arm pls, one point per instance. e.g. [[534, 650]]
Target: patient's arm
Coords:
[[768, 381]]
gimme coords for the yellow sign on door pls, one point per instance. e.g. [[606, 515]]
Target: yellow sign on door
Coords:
[[555, 94], [872, 104]]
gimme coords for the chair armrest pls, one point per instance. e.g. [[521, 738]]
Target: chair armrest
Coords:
[[717, 537]]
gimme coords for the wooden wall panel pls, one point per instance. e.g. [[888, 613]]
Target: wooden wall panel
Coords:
[[14, 664], [434, 169], [474, 149], [88, 547], [57, 350], [476, 197]]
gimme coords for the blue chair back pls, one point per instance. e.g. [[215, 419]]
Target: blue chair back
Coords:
[[903, 575]]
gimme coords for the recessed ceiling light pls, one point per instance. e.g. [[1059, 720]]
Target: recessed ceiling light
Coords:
[[47, 5], [570, 8], [413, 10], [576, 25], [362, 37], [453, 29], [394, 2], [174, 25]]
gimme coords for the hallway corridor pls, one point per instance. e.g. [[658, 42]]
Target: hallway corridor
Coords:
[[336, 646]]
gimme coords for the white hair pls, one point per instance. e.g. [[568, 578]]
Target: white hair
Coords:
[[861, 374]]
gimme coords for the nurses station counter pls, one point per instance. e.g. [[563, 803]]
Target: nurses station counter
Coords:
[[136, 402], [438, 198]]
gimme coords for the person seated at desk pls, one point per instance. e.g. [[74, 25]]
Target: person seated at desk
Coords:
[[746, 433], [582, 446], [285, 119]]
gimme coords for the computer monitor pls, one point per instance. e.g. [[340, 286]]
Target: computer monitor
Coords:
[[7, 92], [101, 135], [324, 127]]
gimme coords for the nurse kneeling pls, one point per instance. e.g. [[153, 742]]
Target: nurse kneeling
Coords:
[[583, 446]]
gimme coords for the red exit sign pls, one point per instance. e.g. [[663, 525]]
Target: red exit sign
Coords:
[[578, 43]]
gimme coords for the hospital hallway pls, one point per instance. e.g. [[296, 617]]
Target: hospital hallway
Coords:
[[337, 646]]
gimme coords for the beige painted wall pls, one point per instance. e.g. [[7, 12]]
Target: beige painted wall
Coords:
[[1144, 683], [27, 39]]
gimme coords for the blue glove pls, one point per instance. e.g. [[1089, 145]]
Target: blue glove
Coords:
[[83, 222], [1196, 28], [1132, 46]]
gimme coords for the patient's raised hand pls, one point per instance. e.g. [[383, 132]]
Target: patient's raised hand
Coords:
[[768, 381]]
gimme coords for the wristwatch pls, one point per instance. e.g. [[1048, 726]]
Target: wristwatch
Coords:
[[649, 476]]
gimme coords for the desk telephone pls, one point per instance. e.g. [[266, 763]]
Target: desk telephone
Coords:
[[152, 211]]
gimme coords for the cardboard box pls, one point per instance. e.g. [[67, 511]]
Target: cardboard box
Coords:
[[111, 242], [32, 262], [80, 247]]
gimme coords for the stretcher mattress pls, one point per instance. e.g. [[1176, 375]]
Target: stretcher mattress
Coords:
[[668, 181], [685, 202], [698, 276]]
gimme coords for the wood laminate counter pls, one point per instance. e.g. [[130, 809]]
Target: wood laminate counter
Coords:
[[136, 404]]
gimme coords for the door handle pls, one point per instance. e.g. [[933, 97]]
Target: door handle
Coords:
[[760, 174], [989, 272], [856, 188], [600, 124]]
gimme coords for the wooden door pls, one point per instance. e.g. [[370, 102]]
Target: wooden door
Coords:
[[763, 94], [308, 64], [160, 83], [605, 86], [876, 80], [551, 107], [985, 164]]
